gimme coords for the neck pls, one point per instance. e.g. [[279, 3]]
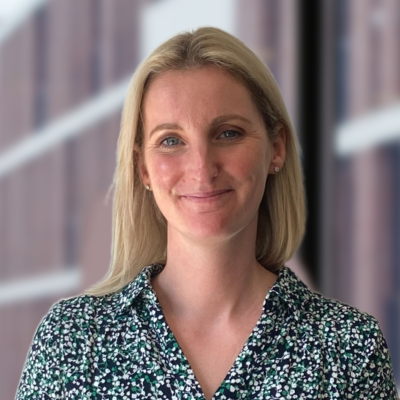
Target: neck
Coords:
[[205, 282]]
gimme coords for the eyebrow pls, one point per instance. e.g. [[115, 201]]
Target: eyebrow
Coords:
[[162, 127], [215, 122]]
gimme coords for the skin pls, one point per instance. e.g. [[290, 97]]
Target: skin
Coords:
[[206, 158]]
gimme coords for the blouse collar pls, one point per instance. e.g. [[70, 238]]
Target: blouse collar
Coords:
[[288, 287]]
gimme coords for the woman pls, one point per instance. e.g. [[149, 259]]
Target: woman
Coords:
[[208, 207]]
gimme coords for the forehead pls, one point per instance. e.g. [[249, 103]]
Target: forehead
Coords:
[[200, 94]]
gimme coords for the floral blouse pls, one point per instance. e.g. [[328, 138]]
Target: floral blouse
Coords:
[[119, 346]]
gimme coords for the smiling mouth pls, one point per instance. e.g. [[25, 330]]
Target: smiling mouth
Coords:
[[205, 195]]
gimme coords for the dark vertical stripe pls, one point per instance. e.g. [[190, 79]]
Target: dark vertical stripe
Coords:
[[309, 124], [394, 302]]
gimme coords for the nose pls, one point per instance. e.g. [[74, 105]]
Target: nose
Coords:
[[203, 163]]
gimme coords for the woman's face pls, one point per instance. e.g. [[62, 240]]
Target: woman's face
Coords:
[[206, 153]]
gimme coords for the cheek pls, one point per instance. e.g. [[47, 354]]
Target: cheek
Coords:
[[164, 170], [252, 166]]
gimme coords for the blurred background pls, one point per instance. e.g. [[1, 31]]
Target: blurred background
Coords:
[[64, 70]]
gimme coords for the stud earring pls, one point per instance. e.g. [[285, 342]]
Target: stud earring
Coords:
[[276, 169], [147, 187]]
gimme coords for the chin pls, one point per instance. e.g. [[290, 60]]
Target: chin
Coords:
[[215, 230]]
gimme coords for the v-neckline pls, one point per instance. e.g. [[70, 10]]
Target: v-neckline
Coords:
[[168, 340]]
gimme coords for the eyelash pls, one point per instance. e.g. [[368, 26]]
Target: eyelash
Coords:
[[162, 144], [237, 135]]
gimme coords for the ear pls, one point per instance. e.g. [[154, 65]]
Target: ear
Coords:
[[141, 166], [279, 149]]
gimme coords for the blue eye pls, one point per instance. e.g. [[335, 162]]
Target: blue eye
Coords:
[[170, 141], [230, 134]]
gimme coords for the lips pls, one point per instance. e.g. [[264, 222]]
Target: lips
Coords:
[[205, 194]]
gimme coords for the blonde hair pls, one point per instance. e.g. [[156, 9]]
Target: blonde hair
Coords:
[[139, 234]]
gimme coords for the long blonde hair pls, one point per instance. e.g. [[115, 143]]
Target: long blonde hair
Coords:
[[139, 234]]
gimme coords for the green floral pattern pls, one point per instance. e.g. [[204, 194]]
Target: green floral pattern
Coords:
[[119, 346]]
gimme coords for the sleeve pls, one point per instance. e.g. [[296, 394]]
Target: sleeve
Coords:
[[374, 379], [41, 375]]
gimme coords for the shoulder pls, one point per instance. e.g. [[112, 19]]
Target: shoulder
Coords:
[[71, 309], [340, 325], [83, 311], [63, 341], [335, 327], [322, 313], [344, 326], [348, 341], [66, 317], [353, 340], [330, 312]]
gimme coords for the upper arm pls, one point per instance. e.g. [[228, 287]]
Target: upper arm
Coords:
[[373, 377], [42, 372]]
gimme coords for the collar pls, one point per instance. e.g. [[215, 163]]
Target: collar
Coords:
[[292, 291], [140, 285], [288, 287]]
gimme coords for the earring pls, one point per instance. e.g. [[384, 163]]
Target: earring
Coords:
[[276, 169], [147, 187]]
